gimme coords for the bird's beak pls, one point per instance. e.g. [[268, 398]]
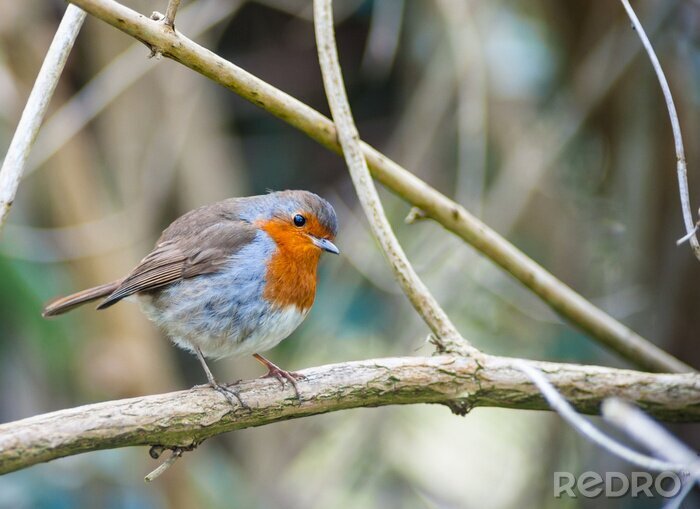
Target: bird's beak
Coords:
[[325, 245]]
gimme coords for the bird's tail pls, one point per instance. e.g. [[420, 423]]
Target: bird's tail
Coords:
[[62, 305]]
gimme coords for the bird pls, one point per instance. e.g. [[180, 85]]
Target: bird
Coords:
[[233, 278]]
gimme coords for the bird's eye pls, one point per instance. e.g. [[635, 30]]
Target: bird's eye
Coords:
[[299, 220]]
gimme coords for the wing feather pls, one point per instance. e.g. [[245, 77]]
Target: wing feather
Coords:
[[184, 253]]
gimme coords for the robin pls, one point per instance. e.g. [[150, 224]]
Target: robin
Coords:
[[232, 278]]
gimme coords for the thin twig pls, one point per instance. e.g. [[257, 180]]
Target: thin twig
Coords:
[[648, 432], [171, 12], [681, 167], [585, 428], [414, 215], [656, 438], [35, 109], [564, 300], [349, 138], [157, 472], [183, 419], [685, 238]]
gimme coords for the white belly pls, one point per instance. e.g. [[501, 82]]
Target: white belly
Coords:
[[275, 326], [278, 325]]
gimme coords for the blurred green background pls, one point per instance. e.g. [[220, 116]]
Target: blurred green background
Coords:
[[542, 117]]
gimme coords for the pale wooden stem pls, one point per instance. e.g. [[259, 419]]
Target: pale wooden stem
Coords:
[[586, 428], [416, 291], [681, 167], [171, 12], [186, 418], [35, 109]]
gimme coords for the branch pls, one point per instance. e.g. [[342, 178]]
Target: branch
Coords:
[[423, 301], [451, 215], [681, 168], [655, 438], [170, 13], [186, 418], [35, 109], [595, 435], [669, 453], [645, 430]]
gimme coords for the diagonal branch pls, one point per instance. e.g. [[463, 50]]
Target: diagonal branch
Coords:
[[186, 418], [416, 291], [36, 107], [564, 300]]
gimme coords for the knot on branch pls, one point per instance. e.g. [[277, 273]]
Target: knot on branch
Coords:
[[460, 407], [451, 345], [414, 215], [168, 24], [157, 450]]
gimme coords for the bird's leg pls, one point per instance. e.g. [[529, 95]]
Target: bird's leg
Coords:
[[225, 391], [274, 371]]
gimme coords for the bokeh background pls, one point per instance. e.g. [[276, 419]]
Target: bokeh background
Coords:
[[542, 117]]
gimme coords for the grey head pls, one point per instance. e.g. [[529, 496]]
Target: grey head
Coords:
[[285, 205]]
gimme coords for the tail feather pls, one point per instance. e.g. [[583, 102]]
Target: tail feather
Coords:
[[62, 305]]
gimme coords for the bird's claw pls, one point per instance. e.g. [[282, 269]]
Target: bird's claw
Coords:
[[281, 375], [231, 395]]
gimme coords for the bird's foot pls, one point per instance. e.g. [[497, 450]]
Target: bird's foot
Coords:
[[231, 394], [282, 375]]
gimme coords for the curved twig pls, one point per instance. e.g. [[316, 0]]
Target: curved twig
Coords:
[[645, 430], [349, 138], [589, 431], [37, 104], [681, 168]]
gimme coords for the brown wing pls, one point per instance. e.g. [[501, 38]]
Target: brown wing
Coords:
[[193, 245]]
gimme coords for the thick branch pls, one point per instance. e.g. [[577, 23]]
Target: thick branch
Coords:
[[186, 418], [564, 300]]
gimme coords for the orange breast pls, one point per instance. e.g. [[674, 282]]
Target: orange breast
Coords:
[[291, 273]]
